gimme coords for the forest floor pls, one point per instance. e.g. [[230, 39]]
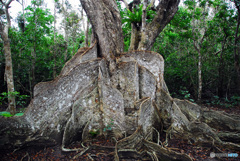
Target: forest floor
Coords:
[[102, 149]]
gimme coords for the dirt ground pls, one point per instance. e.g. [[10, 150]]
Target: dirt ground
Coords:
[[102, 149]]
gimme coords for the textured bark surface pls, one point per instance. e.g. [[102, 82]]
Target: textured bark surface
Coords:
[[166, 10], [4, 28], [134, 102], [102, 14]]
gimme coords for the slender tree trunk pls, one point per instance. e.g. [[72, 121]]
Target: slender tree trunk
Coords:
[[33, 55], [236, 45], [197, 46], [221, 70], [23, 11], [86, 34], [33, 61], [65, 31], [4, 28], [54, 45], [9, 72], [135, 37], [199, 75], [143, 30], [86, 29]]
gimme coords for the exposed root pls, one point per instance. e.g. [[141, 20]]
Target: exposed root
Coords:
[[89, 156], [153, 156], [83, 145], [113, 138], [80, 154], [221, 120], [27, 155], [71, 150], [136, 146], [229, 145], [158, 139], [229, 136]]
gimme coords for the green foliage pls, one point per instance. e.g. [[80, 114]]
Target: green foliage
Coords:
[[177, 44], [19, 114], [224, 102], [20, 99], [7, 114], [135, 16]]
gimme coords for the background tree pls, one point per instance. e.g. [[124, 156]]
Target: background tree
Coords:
[[4, 29], [236, 42], [176, 43]]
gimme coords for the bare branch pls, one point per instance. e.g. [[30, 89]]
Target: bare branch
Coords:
[[2, 2], [8, 3], [217, 52]]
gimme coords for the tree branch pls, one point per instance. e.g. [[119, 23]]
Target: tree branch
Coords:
[[217, 52], [2, 2], [166, 10], [195, 46], [8, 3]]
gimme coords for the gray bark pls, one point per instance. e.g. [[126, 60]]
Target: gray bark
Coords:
[[166, 10], [65, 30], [4, 28], [135, 37], [86, 34], [54, 45], [135, 101], [101, 14]]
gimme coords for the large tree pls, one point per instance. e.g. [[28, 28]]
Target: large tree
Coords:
[[103, 89]]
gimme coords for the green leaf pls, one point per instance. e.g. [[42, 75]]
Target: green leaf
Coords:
[[19, 114], [5, 114]]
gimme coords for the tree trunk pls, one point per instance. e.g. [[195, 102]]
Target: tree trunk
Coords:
[[166, 10], [86, 34], [9, 73], [54, 42], [236, 45], [221, 70], [8, 59], [109, 35], [65, 32], [198, 49], [199, 75], [135, 37]]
